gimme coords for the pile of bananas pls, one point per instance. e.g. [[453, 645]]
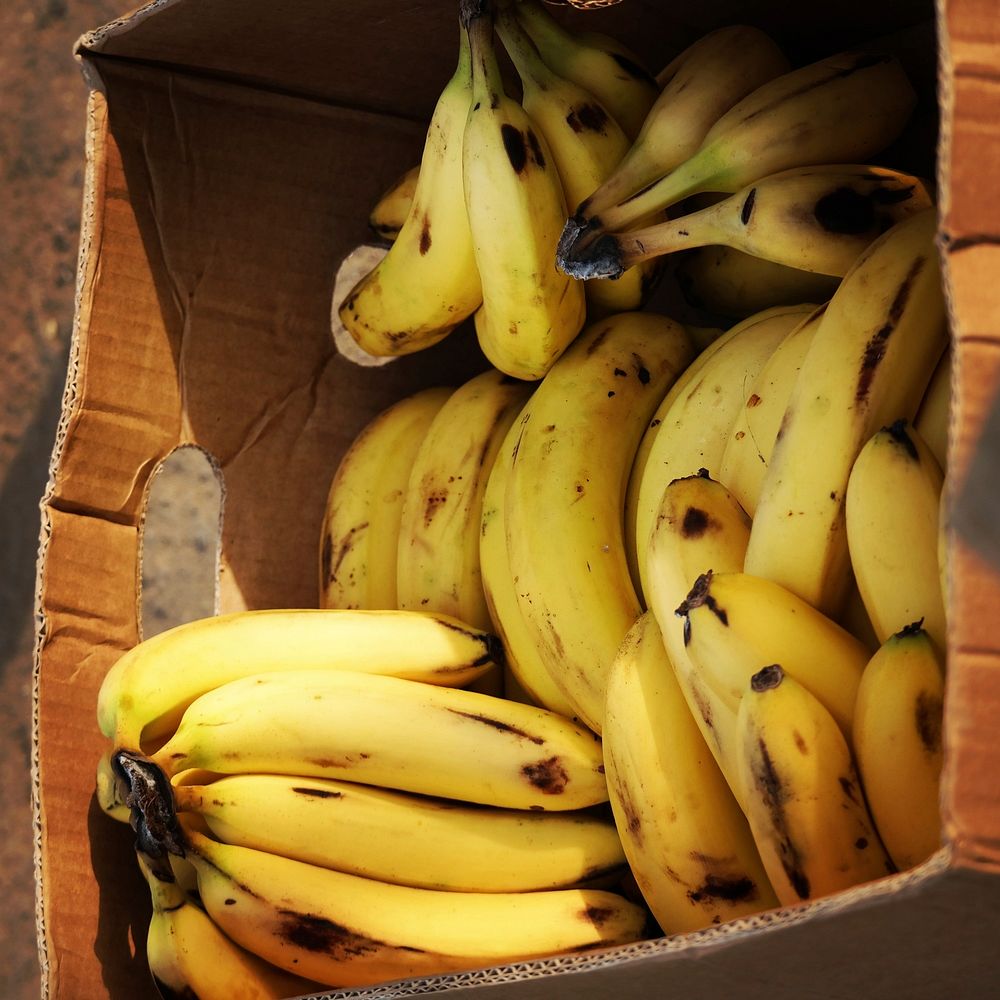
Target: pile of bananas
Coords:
[[638, 631]]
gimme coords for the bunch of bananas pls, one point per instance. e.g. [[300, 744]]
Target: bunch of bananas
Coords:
[[644, 600]]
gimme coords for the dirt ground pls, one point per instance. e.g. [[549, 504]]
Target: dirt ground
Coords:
[[41, 165]]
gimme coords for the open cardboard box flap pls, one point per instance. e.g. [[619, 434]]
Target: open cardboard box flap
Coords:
[[233, 148]]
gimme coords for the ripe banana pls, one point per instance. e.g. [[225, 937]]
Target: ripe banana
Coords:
[[428, 282], [734, 624], [405, 839], [437, 561], [869, 362], [698, 86], [698, 524], [395, 733], [566, 486], [727, 282], [586, 145], [147, 690], [934, 415], [601, 66], [389, 213], [897, 741], [842, 109], [892, 514], [360, 530], [751, 439], [521, 655], [531, 311], [686, 839], [806, 806], [815, 218], [348, 931], [689, 428], [190, 957]]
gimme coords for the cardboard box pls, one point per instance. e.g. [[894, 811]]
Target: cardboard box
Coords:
[[233, 149]]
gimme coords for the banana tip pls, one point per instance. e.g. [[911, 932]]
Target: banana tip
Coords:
[[601, 258]]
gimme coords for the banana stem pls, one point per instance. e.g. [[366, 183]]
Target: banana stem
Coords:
[[487, 83], [613, 253], [523, 51], [544, 30]]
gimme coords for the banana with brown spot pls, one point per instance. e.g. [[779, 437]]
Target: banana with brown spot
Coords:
[[687, 841], [347, 931], [804, 799], [395, 733]]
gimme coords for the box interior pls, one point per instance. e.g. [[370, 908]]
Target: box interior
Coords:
[[234, 149]]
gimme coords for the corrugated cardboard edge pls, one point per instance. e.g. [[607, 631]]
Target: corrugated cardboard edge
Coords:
[[91, 221]]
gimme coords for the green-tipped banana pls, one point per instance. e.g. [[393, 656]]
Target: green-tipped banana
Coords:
[[812, 218], [428, 282]]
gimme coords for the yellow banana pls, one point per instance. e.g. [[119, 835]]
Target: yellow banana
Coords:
[[892, 513], [189, 956], [698, 86], [689, 428], [437, 563], [729, 283], [521, 655], [604, 68], [869, 362], [751, 439], [586, 144], [685, 836], [531, 312], [405, 839], [841, 109], [698, 525], [734, 624], [348, 931], [816, 218], [147, 690], [390, 211], [897, 741], [109, 792], [365, 502], [934, 414], [428, 281], [396, 733], [806, 806], [565, 491]]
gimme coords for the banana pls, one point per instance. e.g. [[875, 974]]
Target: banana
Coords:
[[751, 439], [145, 693], [405, 839], [348, 931], [689, 428], [109, 792], [696, 88], [892, 512], [360, 528], [601, 66], [190, 957], [437, 562], [390, 211], [586, 145], [686, 839], [813, 218], [735, 623], [855, 619], [531, 311], [897, 741], [729, 283], [400, 734], [565, 490], [841, 109], [934, 414], [698, 524], [806, 806], [428, 281], [869, 362], [702, 336], [521, 655]]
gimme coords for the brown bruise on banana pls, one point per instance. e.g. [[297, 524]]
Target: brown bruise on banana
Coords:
[[500, 726], [522, 148], [548, 776], [874, 350], [317, 793], [587, 118], [425, 236], [433, 502], [928, 716], [311, 932], [633, 820], [897, 433], [719, 884], [747, 210], [696, 523], [347, 541]]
